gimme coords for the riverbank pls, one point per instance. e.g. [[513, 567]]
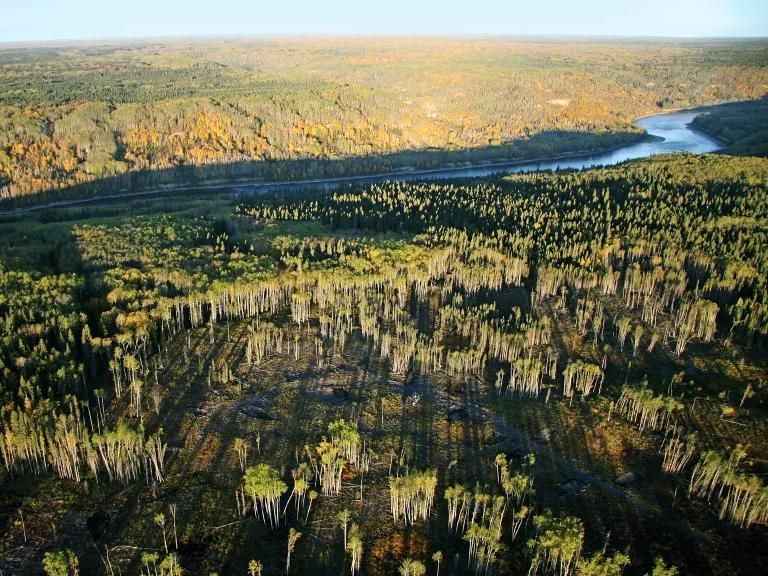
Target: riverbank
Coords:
[[234, 184], [664, 133], [742, 127]]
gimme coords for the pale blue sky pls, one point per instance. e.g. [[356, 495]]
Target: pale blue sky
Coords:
[[65, 19]]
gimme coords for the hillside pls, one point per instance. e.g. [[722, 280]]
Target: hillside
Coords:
[[81, 118], [741, 126]]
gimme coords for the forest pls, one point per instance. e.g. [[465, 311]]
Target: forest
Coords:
[[742, 126], [554, 373], [92, 118]]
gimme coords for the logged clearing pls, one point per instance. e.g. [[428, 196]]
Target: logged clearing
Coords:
[[479, 375]]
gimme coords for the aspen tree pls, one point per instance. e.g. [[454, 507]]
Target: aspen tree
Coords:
[[156, 398], [411, 567], [255, 568], [121, 451], [623, 326], [437, 557], [457, 498], [557, 545], [501, 463], [154, 450], [637, 334], [136, 385], [241, 448], [694, 318], [527, 377], [748, 393], [328, 466], [499, 384], [412, 495], [346, 438], [150, 558], [263, 484], [173, 509], [355, 547], [517, 486], [300, 487], [170, 566], [743, 498], [312, 497], [660, 568], [655, 337], [581, 377], [61, 563], [160, 521], [677, 452], [602, 565], [343, 518], [519, 517], [300, 306], [99, 394], [293, 537], [643, 408]]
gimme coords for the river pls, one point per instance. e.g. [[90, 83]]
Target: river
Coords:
[[672, 133]]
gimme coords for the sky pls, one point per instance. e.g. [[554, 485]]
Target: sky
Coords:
[[40, 20]]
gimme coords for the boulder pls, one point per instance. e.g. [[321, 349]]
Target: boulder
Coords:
[[518, 451], [256, 412], [256, 408], [457, 413], [199, 411], [544, 436], [96, 523], [571, 487], [626, 479], [341, 392]]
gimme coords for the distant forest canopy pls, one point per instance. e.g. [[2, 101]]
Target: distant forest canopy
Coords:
[[76, 114]]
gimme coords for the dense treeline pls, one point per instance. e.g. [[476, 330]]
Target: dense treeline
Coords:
[[742, 127], [648, 231], [539, 289], [72, 115]]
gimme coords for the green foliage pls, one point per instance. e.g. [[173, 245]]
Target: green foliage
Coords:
[[132, 116], [263, 485], [557, 546], [660, 568], [743, 497], [255, 568], [411, 567], [454, 291], [60, 563], [412, 495], [742, 126], [602, 565]]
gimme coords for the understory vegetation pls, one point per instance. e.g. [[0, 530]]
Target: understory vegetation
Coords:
[[546, 373]]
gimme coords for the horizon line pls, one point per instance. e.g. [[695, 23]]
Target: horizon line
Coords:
[[362, 35]]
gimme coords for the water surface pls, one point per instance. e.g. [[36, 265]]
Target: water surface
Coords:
[[672, 131]]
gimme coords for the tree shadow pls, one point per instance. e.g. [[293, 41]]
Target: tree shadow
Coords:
[[534, 152]]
